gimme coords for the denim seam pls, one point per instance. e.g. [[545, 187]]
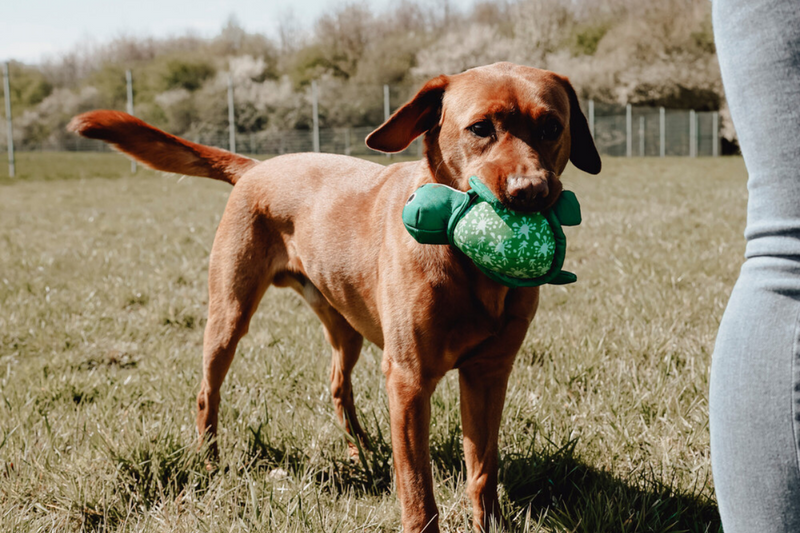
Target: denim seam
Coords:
[[794, 392]]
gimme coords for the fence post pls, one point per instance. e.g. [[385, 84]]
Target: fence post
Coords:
[[386, 111], [591, 118], [692, 133], [641, 136], [347, 141], [10, 142], [315, 113], [662, 132], [715, 134], [129, 106], [231, 117], [628, 131]]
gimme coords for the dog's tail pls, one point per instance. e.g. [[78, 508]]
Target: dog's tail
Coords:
[[158, 149]]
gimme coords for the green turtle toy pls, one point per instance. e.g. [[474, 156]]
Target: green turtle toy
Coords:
[[513, 248]]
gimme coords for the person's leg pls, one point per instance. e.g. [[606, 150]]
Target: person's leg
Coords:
[[754, 400]]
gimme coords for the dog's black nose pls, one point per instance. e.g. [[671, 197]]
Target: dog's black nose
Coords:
[[524, 189]]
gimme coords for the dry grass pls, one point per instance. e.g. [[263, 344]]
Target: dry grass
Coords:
[[102, 306]]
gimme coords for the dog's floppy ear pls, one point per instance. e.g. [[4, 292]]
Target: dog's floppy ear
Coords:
[[412, 120], [583, 152]]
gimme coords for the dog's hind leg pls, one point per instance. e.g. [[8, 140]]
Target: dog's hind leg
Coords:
[[346, 345], [240, 270]]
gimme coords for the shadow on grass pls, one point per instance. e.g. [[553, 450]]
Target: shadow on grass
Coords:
[[370, 474], [579, 498], [545, 482], [553, 486], [541, 480]]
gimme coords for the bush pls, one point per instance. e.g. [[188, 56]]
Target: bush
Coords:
[[187, 74], [614, 51]]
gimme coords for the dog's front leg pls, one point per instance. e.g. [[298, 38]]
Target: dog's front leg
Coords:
[[483, 381], [410, 412], [483, 393]]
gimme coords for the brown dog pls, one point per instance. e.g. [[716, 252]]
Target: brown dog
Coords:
[[330, 227]]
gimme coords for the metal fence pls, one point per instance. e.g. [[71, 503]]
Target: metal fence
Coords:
[[617, 130], [646, 131], [347, 141], [633, 132]]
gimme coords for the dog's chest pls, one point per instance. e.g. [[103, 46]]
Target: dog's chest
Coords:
[[481, 318]]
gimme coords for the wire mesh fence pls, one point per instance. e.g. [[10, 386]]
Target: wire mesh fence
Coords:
[[654, 132], [642, 132], [617, 130], [347, 141]]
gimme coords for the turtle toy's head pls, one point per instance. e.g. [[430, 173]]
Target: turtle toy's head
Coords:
[[517, 249]]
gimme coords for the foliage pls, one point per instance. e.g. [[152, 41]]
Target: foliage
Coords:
[[187, 75], [30, 86], [614, 51], [587, 38]]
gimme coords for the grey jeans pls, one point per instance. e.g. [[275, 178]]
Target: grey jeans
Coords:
[[755, 376]]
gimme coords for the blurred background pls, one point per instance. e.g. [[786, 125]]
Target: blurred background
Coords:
[[276, 77]]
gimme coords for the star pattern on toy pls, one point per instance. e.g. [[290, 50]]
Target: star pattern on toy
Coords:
[[522, 229], [522, 248]]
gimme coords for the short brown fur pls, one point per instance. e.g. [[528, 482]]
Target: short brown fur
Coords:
[[158, 149], [330, 228]]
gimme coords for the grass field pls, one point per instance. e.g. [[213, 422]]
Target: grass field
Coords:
[[102, 308]]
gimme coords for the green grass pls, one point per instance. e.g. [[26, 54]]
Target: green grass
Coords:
[[102, 307]]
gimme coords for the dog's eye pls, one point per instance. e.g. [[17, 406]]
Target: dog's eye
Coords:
[[484, 128], [551, 130]]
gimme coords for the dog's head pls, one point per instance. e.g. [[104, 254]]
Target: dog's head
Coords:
[[514, 127]]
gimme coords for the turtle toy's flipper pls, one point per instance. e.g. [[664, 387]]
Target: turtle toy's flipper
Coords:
[[428, 211], [563, 278], [567, 209], [565, 212]]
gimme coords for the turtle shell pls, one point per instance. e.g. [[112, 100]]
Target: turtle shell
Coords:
[[520, 245]]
